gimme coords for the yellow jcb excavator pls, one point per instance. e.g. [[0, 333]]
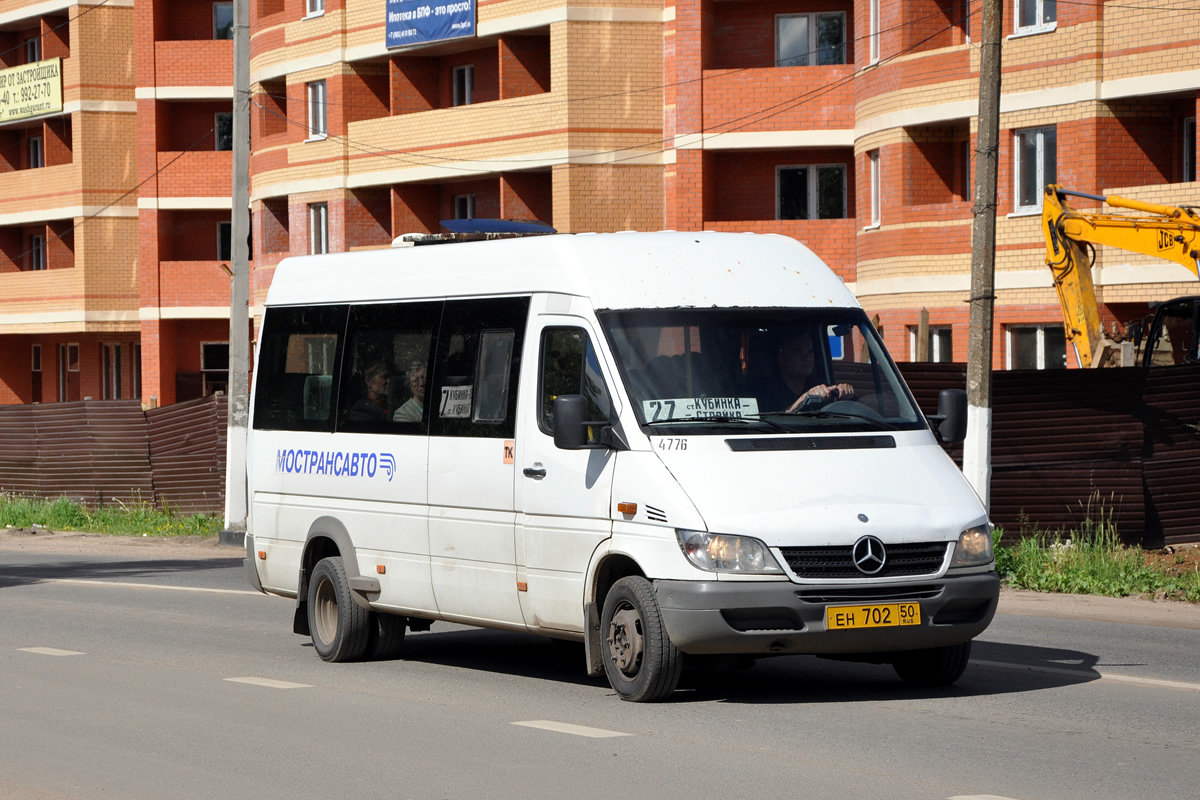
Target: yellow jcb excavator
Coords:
[[1168, 232]]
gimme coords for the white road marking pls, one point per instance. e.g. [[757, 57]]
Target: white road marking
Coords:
[[270, 684], [50, 651], [574, 730], [979, 797], [1108, 676], [81, 582]]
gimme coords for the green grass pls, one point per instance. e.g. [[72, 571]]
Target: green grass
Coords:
[[123, 519], [1091, 560]]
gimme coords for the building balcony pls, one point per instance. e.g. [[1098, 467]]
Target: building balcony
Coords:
[[204, 173], [191, 284], [779, 99], [194, 63]]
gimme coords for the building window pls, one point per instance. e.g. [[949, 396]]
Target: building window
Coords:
[[464, 84], [809, 40], [316, 110], [464, 206], [222, 20], [136, 352], [816, 191], [37, 358], [318, 228], [110, 362], [314, 8], [1035, 16], [36, 376], [873, 158], [1189, 149], [214, 367], [224, 241], [1036, 156], [37, 152], [68, 368], [939, 346], [37, 252], [1036, 347], [966, 170], [874, 30], [33, 49], [223, 130]]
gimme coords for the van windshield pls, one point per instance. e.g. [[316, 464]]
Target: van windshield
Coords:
[[758, 370]]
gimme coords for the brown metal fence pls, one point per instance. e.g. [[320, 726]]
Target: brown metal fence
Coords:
[[104, 452], [1068, 445]]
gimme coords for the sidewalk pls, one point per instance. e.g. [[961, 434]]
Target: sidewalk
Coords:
[[1126, 610]]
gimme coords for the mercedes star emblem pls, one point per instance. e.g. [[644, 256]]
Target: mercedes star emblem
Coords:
[[869, 555]]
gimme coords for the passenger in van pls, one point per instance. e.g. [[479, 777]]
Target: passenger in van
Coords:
[[413, 409], [372, 407], [794, 384]]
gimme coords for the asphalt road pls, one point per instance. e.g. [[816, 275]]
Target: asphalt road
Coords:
[[129, 676]]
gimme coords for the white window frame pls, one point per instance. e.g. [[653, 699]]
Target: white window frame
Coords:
[[317, 120], [873, 36], [314, 8], [37, 252], [318, 228], [812, 53], [1041, 329], [467, 204], [935, 345], [1040, 183], [1037, 27], [33, 50], [966, 23], [813, 188], [216, 30], [1189, 149], [876, 189], [37, 152], [462, 84]]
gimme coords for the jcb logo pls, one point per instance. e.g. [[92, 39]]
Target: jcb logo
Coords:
[[1165, 240]]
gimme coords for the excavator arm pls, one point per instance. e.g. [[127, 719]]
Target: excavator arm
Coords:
[[1167, 232]]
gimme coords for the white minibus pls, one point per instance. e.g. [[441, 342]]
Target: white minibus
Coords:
[[662, 445]]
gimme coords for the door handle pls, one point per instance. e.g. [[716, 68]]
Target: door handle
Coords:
[[530, 472]]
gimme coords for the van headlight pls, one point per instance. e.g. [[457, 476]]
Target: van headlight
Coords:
[[974, 547], [719, 552]]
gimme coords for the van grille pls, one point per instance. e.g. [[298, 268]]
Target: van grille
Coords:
[[922, 558]]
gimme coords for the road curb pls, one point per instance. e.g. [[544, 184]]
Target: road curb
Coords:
[[233, 538]]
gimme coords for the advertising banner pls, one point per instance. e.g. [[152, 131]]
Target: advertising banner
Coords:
[[412, 22], [31, 90]]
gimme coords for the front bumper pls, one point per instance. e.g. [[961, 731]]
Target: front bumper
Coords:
[[712, 617]]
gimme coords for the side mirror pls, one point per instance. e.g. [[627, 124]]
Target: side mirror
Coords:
[[570, 421], [952, 410]]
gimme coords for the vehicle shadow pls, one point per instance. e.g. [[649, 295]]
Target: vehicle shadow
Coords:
[[114, 570], [995, 669]]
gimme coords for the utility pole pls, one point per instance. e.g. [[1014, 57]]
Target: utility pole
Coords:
[[239, 293], [977, 449]]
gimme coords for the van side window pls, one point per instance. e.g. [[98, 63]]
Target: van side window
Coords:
[[569, 366], [473, 387], [388, 350], [298, 359]]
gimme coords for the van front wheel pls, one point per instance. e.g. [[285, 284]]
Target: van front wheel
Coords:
[[340, 628], [938, 666], [641, 663]]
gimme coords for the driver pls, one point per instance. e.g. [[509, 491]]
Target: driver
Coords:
[[795, 379]]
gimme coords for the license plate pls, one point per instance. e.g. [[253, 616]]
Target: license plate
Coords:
[[887, 615]]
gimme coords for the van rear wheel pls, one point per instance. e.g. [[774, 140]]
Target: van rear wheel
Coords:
[[937, 666], [338, 625], [640, 661]]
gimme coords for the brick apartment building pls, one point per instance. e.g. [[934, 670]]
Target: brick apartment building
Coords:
[[847, 125]]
